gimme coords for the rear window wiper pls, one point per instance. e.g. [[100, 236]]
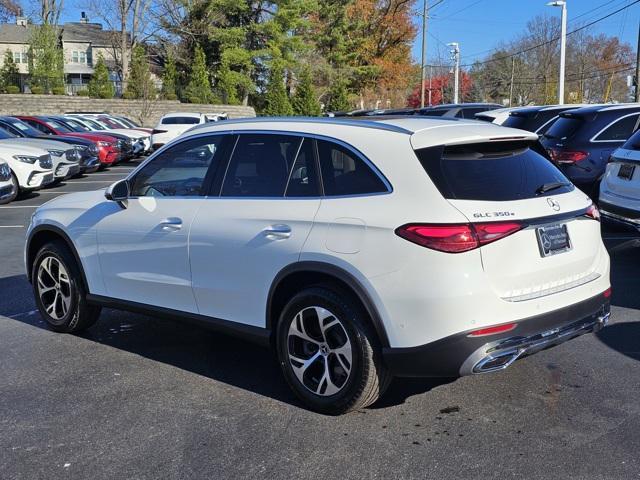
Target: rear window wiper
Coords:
[[547, 187]]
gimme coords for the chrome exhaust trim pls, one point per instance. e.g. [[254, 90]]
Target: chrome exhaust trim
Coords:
[[500, 354]]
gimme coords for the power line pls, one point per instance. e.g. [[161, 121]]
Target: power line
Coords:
[[461, 10], [505, 57]]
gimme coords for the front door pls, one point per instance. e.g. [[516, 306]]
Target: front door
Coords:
[[143, 248]]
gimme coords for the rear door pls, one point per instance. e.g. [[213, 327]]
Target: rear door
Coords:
[[556, 246]]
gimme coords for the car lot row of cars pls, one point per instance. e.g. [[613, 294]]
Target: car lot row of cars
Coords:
[[41, 151], [596, 146]]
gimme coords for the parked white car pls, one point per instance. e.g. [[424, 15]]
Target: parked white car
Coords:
[[141, 141], [173, 125], [31, 167], [65, 160], [620, 186], [358, 249], [497, 116], [7, 188]]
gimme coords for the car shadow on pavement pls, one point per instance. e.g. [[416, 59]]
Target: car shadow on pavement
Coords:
[[623, 338], [625, 277], [191, 348]]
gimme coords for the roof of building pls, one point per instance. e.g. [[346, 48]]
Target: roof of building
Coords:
[[71, 32], [12, 33]]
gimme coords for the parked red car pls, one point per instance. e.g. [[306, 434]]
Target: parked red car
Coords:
[[108, 151]]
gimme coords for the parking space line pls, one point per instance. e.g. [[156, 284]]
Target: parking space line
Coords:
[[93, 181], [20, 206], [11, 226]]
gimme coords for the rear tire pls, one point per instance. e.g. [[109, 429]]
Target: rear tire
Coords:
[[59, 291], [329, 353]]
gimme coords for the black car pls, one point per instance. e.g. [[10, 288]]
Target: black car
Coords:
[[457, 110], [581, 141], [87, 149], [537, 119]]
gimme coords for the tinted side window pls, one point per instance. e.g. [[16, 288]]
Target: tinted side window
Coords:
[[180, 170], [345, 173], [303, 178], [180, 121], [620, 130], [38, 126], [260, 165], [471, 112]]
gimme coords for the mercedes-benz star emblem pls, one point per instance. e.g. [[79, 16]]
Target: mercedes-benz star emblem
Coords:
[[553, 204]]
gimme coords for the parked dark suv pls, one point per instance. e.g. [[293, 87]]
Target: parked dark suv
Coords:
[[582, 140], [536, 119]]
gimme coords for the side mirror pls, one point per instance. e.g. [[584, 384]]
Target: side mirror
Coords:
[[117, 192]]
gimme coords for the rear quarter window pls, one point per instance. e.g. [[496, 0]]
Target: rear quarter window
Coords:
[[490, 172], [620, 130]]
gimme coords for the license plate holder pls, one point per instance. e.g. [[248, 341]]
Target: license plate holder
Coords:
[[553, 239], [626, 171]]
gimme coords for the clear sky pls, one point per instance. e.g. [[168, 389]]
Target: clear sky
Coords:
[[479, 25]]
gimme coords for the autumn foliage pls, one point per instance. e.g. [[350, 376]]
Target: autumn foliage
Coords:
[[442, 90]]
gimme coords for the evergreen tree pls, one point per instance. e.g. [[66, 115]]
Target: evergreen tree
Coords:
[[276, 99], [304, 101], [9, 73], [169, 79], [139, 84], [338, 97], [100, 86], [199, 89]]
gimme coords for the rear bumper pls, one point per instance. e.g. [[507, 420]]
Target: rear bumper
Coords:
[[619, 216], [461, 354]]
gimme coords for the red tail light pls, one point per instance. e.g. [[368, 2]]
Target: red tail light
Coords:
[[156, 131], [493, 330], [607, 293], [593, 212], [457, 238], [567, 156]]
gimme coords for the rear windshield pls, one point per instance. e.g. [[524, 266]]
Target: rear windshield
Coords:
[[529, 123], [564, 127], [180, 121], [491, 172], [634, 142]]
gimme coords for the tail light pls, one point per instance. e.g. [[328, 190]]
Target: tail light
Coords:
[[567, 156], [607, 293], [593, 212], [459, 237], [156, 131]]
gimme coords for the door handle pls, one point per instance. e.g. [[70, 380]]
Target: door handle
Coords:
[[171, 223], [277, 231]]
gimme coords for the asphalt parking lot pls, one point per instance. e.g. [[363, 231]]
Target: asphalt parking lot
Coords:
[[136, 397]]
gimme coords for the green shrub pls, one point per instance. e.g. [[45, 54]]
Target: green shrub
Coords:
[[129, 95], [12, 89], [83, 93], [170, 96], [59, 91], [37, 90]]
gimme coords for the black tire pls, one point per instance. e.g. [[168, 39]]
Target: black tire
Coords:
[[79, 315], [368, 378], [16, 190]]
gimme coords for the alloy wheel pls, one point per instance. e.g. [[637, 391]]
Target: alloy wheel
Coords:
[[54, 287], [319, 351]]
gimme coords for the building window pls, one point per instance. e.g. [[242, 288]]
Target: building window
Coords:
[[20, 57], [80, 56]]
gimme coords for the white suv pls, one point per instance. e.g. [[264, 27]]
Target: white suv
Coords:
[[358, 249], [172, 125], [31, 167]]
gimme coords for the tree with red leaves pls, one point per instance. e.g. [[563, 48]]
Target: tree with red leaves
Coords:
[[442, 90]]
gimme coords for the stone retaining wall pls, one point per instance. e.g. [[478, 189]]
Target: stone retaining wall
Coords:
[[148, 113]]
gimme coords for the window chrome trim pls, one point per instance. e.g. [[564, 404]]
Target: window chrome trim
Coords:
[[351, 148], [593, 139], [552, 119]]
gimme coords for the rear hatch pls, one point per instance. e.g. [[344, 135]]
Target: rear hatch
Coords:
[[542, 235], [623, 172]]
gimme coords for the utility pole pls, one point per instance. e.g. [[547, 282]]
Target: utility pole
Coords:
[[563, 47], [455, 51], [425, 8], [638, 67], [513, 69], [430, 77]]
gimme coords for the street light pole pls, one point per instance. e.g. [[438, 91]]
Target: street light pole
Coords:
[[563, 47], [455, 50], [423, 65]]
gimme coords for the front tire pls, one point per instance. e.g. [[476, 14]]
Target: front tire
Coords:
[[59, 291], [329, 353], [14, 193]]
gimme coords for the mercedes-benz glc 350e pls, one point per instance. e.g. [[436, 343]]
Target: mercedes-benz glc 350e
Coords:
[[359, 250]]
